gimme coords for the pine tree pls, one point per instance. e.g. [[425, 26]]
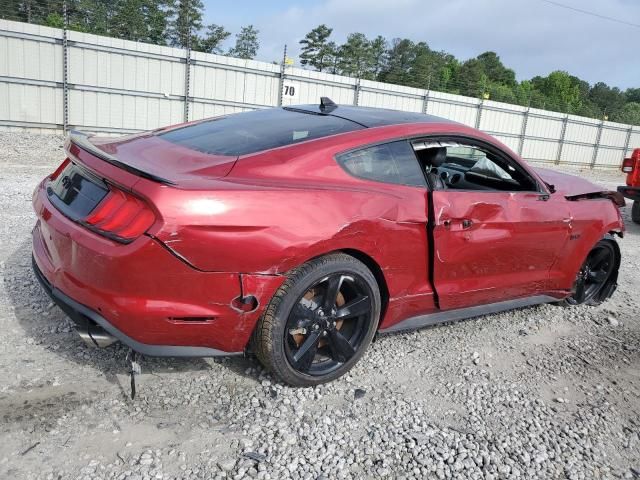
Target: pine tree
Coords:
[[317, 51], [247, 43], [216, 34], [356, 58], [186, 23]]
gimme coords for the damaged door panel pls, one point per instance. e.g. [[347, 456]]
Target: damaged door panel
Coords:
[[493, 246]]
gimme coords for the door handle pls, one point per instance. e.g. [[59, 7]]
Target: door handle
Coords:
[[465, 223]]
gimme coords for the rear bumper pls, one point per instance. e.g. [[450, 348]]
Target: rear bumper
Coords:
[[91, 323], [142, 294], [632, 193]]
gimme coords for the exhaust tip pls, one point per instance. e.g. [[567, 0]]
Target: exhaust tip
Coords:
[[95, 336]]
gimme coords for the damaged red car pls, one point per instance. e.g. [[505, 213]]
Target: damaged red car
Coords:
[[298, 233]]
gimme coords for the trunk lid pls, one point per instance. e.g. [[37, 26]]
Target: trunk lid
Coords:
[[149, 156]]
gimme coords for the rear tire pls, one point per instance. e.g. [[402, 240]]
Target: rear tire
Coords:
[[319, 322], [597, 279], [635, 211]]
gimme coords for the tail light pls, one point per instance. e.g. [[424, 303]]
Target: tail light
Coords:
[[120, 216], [627, 165]]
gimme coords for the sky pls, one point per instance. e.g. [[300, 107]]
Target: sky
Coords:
[[532, 37]]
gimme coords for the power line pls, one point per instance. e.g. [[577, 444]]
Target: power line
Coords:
[[593, 14]]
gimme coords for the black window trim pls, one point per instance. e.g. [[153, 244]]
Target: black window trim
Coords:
[[444, 136], [425, 184]]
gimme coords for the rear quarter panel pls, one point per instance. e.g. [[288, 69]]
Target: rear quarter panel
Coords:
[[281, 208]]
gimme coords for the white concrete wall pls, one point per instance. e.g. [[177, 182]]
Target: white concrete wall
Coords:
[[118, 86]]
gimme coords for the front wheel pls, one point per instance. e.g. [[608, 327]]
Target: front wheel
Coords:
[[320, 321], [597, 279], [635, 211]]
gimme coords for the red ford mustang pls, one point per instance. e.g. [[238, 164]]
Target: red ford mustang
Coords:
[[297, 233]]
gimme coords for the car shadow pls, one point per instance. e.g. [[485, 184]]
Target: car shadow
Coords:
[[48, 327]]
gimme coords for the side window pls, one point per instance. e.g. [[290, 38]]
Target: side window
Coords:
[[452, 165], [393, 162]]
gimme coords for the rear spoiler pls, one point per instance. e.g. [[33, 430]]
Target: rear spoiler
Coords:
[[615, 197], [81, 140]]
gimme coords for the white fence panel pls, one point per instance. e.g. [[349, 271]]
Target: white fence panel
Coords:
[[634, 141], [30, 75], [454, 107], [584, 130], [540, 150], [309, 86], [501, 117], [577, 154], [395, 97], [609, 157]]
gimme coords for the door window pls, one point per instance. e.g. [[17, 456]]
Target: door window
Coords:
[[461, 166]]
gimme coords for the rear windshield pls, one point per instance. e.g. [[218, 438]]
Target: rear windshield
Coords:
[[255, 131]]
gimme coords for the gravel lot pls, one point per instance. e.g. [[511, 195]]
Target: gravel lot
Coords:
[[543, 392]]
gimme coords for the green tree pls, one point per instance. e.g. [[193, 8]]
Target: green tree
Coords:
[[632, 95], [139, 20], [608, 101], [378, 47], [471, 79], [487, 75], [561, 91], [317, 50], [186, 22], [213, 38], [356, 59], [630, 114], [401, 55], [495, 71], [247, 43], [431, 69]]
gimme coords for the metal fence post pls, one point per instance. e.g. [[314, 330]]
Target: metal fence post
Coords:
[[425, 100], [523, 130], [187, 72], [597, 147], [479, 114], [565, 120], [627, 141], [65, 72], [187, 81], [281, 81], [356, 93]]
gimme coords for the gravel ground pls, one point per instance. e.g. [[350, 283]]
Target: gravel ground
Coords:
[[542, 392]]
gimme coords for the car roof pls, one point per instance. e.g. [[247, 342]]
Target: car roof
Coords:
[[369, 117]]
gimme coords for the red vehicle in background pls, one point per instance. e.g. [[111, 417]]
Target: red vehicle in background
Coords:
[[631, 166]]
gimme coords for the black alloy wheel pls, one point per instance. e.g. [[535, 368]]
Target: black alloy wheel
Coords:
[[320, 321], [328, 324], [596, 273]]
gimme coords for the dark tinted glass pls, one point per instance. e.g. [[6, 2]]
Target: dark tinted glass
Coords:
[[75, 192], [391, 163], [249, 132]]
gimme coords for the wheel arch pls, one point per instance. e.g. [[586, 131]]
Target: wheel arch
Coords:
[[375, 268], [371, 263]]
